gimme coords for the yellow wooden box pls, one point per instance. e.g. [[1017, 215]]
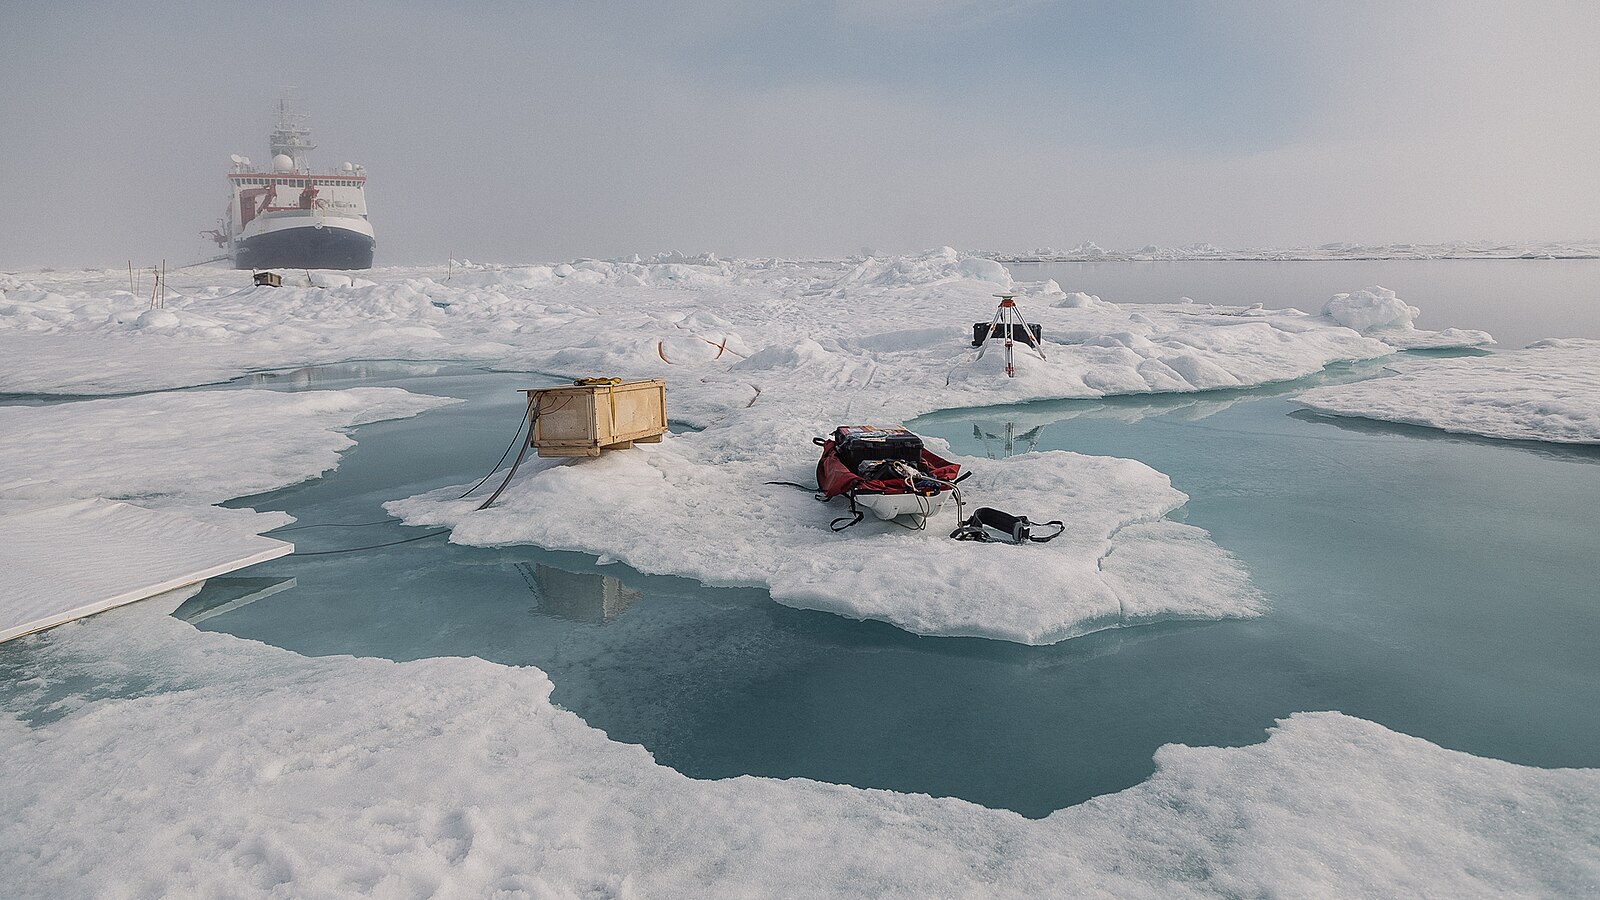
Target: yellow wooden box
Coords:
[[584, 419]]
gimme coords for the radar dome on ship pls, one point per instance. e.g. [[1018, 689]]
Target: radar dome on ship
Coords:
[[282, 163]]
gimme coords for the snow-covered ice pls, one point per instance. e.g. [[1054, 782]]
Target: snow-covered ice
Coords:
[[186, 451], [68, 560], [697, 505], [68, 547], [1091, 252], [1377, 312], [146, 758], [240, 769], [893, 330], [1549, 391], [765, 354]]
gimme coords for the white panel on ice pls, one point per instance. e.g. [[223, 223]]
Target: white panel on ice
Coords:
[[73, 560]]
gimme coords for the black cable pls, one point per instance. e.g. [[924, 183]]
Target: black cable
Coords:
[[528, 417], [515, 465], [374, 546]]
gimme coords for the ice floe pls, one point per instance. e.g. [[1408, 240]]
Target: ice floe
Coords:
[[908, 318], [1549, 391], [1377, 312], [186, 450], [1090, 252], [764, 354], [145, 758], [697, 505]]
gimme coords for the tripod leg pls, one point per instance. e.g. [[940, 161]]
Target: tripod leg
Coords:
[[1011, 366], [1028, 337], [994, 324]]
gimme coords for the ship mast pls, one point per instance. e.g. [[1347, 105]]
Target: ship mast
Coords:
[[290, 135]]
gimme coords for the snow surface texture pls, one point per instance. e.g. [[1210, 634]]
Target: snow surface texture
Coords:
[[893, 330], [696, 505], [245, 770], [1090, 252], [186, 451], [766, 354], [1376, 311], [1549, 391], [77, 558], [144, 758]]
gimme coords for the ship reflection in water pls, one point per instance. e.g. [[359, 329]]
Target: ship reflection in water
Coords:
[[585, 597]]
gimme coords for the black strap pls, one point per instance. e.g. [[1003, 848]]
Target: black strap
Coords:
[[965, 532], [855, 517], [977, 528], [1060, 527], [803, 487]]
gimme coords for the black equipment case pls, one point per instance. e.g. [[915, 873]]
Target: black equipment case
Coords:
[[856, 444], [1026, 333]]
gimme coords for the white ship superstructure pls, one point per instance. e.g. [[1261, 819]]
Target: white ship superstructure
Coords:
[[289, 217]]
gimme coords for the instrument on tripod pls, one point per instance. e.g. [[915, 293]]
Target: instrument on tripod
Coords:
[[1008, 324]]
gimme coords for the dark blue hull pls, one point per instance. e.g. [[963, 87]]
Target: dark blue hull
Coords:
[[305, 248]]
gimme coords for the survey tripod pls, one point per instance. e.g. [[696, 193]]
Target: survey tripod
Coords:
[[1008, 324]]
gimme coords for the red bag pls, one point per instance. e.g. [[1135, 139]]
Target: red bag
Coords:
[[836, 475]]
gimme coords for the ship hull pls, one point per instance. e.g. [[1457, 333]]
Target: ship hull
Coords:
[[308, 246]]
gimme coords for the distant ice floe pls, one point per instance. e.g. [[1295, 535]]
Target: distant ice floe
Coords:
[[1090, 252], [1377, 312], [1549, 391], [241, 769], [86, 333]]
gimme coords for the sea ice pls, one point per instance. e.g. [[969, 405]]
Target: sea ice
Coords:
[[697, 505], [240, 769], [186, 450], [1377, 312], [905, 319], [146, 758], [1089, 252], [1549, 391], [68, 560], [765, 354]]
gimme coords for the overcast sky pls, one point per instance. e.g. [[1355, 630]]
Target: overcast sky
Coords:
[[521, 132]]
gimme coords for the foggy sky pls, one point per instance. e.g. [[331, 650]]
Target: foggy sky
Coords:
[[523, 132]]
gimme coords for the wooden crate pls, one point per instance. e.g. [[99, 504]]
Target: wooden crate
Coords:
[[584, 419]]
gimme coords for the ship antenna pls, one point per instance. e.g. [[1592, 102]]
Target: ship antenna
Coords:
[[290, 135]]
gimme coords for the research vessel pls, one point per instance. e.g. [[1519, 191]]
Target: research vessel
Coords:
[[291, 217]]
